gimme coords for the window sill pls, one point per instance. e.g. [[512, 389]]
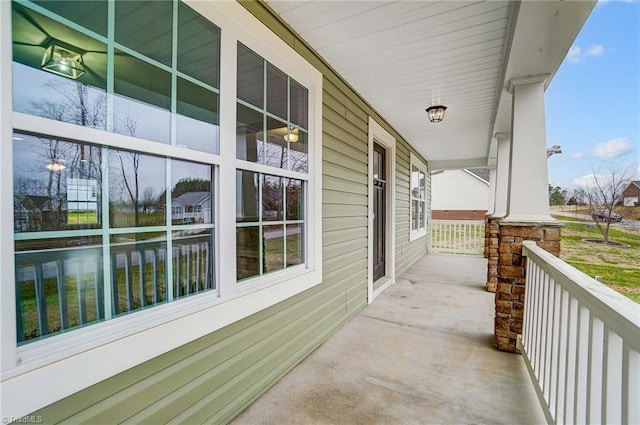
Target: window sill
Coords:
[[417, 234]]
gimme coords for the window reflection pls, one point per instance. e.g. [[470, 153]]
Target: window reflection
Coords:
[[198, 46], [275, 149], [272, 198], [197, 124], [250, 77], [136, 189], [247, 252], [273, 248], [248, 133], [57, 184], [299, 103], [295, 199], [247, 196], [192, 262], [295, 243], [276, 92], [191, 196]]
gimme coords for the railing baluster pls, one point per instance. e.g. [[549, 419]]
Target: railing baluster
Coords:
[[82, 301], [41, 301], [563, 330], [572, 362], [612, 379], [598, 346], [62, 294], [630, 385], [128, 272], [582, 379]]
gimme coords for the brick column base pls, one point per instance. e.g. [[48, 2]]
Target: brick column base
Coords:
[[486, 236], [493, 230], [510, 291]]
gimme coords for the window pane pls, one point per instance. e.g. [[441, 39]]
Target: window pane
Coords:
[[415, 182], [422, 178], [298, 151], [145, 26], [138, 270], [272, 198], [273, 248], [59, 285], [57, 184], [191, 196], [299, 98], [198, 46], [250, 77], [197, 126], [276, 91], [247, 252], [423, 215], [295, 199], [247, 196], [143, 109], [295, 239], [414, 215], [134, 178], [90, 14], [275, 153], [192, 262], [248, 133]]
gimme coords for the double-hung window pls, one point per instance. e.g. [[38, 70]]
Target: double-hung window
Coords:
[[165, 159], [418, 198]]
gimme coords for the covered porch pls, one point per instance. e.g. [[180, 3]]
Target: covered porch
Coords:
[[422, 352]]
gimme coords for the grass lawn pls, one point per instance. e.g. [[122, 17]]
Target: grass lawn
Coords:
[[618, 266]]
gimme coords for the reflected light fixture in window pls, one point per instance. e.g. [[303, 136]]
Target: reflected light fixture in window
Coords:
[[56, 164], [292, 135], [436, 113], [63, 60]]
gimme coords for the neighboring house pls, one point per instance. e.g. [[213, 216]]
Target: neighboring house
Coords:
[[161, 321], [191, 207], [460, 194], [38, 213], [631, 195]]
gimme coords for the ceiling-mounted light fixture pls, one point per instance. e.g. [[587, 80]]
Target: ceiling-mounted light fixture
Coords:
[[63, 59], [56, 164], [436, 113], [292, 135]]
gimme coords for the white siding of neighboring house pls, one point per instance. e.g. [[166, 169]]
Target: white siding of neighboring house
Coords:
[[458, 190]]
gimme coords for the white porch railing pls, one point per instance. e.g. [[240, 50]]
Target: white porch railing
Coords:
[[581, 344], [457, 236]]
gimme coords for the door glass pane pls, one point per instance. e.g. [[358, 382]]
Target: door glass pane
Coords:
[[250, 77], [276, 91], [132, 178], [145, 26], [57, 184], [273, 248], [272, 188], [247, 252], [197, 125], [198, 46], [295, 239], [247, 196], [248, 133], [191, 196], [138, 270], [299, 101]]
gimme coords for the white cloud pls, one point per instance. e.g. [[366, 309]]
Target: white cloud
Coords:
[[612, 148], [577, 55]]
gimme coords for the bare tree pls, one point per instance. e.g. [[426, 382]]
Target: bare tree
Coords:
[[602, 195]]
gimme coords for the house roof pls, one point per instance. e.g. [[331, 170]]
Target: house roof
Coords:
[[192, 198], [481, 173], [635, 182], [402, 57]]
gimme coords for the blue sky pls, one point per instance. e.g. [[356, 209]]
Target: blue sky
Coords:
[[593, 102]]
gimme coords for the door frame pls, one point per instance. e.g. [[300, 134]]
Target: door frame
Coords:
[[379, 135]]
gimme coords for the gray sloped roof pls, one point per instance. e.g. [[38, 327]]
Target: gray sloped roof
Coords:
[[192, 198], [483, 173]]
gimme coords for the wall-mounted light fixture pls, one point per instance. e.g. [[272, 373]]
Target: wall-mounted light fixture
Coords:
[[62, 59], [292, 135], [553, 150], [56, 164], [436, 113]]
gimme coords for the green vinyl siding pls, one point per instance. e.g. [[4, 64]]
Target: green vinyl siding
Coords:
[[213, 378]]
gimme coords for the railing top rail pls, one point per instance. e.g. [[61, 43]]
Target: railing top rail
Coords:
[[620, 314], [480, 222]]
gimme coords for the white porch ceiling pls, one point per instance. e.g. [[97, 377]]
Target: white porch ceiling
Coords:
[[404, 56]]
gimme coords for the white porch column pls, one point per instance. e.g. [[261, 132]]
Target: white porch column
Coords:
[[528, 193], [502, 175], [492, 192]]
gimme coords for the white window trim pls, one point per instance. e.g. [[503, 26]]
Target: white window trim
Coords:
[[45, 371], [419, 233], [379, 135]]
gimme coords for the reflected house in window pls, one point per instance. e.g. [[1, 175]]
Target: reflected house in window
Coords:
[[82, 201], [191, 207], [38, 213]]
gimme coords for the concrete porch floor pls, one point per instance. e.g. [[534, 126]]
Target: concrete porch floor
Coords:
[[422, 353]]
